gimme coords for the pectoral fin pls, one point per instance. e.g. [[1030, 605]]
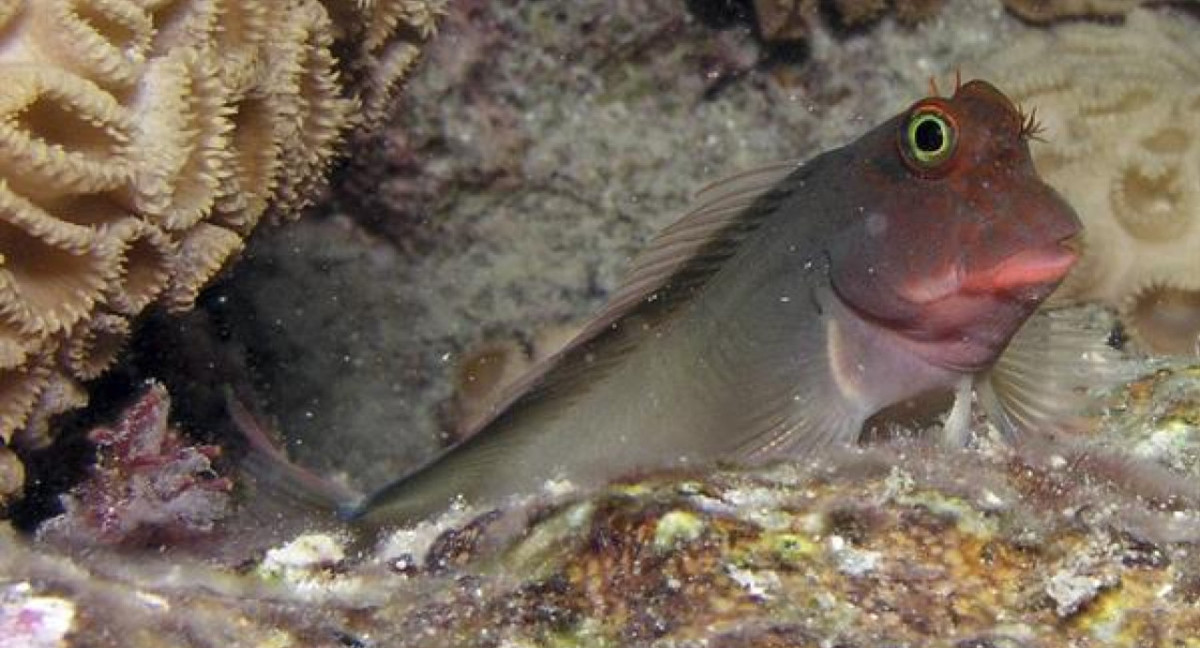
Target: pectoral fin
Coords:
[[809, 408], [1053, 374], [956, 430]]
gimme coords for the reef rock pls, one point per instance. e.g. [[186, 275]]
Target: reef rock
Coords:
[[792, 20], [1049, 10], [901, 544]]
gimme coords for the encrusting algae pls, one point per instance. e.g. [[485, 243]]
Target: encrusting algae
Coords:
[[907, 545]]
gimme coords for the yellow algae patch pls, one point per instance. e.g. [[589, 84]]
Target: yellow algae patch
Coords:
[[677, 527]]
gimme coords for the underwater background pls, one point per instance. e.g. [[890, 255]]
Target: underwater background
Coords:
[[361, 220]]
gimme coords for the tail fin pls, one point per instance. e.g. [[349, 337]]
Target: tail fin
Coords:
[[271, 471]]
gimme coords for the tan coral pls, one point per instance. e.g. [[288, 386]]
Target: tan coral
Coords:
[[103, 40], [384, 18], [180, 153], [1165, 315], [386, 35], [8, 10], [53, 271], [306, 78], [140, 143], [181, 22], [20, 387], [1152, 198], [1122, 143], [12, 475], [388, 67], [148, 253], [13, 346], [58, 393], [92, 347], [235, 28], [60, 134], [202, 252], [255, 148]]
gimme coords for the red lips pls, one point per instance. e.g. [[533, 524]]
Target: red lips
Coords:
[[1025, 269]]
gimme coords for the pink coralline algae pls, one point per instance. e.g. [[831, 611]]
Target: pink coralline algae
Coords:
[[29, 621], [149, 485]]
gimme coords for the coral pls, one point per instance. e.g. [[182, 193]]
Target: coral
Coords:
[[784, 20], [791, 20], [142, 141], [387, 34], [306, 74], [484, 372], [1050, 10], [148, 485], [12, 475], [1121, 117]]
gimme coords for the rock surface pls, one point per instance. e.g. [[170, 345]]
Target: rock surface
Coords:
[[901, 544]]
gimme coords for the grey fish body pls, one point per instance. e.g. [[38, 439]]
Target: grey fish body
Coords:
[[736, 340], [791, 305]]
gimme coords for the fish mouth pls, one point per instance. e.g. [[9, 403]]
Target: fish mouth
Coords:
[[1034, 267]]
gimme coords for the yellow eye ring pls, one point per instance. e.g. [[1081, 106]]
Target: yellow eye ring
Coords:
[[929, 139]]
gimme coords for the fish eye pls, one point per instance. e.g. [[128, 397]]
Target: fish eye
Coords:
[[929, 138]]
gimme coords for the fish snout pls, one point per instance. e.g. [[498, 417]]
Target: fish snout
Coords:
[[1031, 268]]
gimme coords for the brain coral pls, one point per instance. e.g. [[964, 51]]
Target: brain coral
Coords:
[[142, 140], [1121, 111]]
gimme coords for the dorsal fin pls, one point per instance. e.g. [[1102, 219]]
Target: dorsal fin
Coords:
[[679, 259], [668, 276], [715, 211]]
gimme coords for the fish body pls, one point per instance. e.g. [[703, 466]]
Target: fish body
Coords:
[[792, 304]]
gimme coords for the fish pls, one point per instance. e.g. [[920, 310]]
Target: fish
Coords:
[[791, 304]]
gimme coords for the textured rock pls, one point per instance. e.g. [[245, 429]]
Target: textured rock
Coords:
[[1091, 540], [795, 20], [896, 545], [1049, 10]]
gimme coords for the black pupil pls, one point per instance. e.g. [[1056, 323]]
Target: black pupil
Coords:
[[929, 136]]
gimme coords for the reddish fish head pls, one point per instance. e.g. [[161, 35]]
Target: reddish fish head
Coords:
[[955, 240]]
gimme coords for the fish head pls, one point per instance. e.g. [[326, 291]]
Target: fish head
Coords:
[[954, 240]]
